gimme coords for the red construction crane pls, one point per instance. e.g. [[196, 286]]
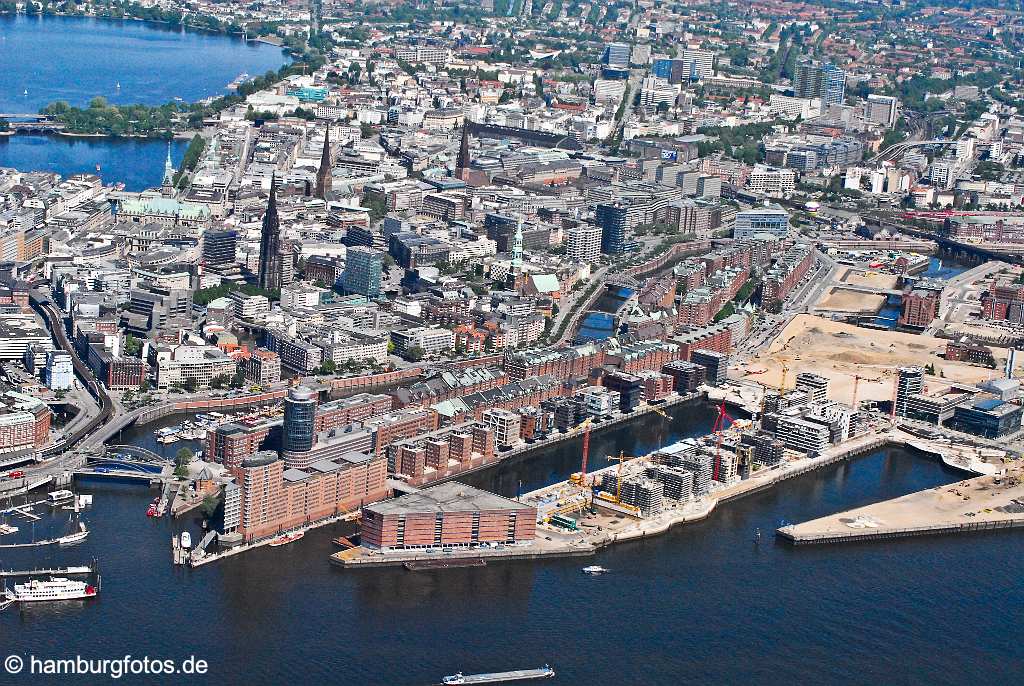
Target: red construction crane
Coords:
[[718, 428], [586, 451]]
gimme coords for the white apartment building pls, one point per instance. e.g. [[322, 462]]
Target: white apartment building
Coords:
[[583, 243], [176, 365], [771, 181]]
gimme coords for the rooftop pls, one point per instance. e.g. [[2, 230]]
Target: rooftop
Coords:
[[447, 497]]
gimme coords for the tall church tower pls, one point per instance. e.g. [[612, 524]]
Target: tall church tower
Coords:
[[167, 185], [323, 174], [270, 246]]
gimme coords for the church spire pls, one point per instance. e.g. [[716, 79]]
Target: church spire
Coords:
[[270, 245], [323, 174], [517, 245], [168, 182], [462, 161]]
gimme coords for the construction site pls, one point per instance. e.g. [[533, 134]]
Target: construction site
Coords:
[[847, 355]]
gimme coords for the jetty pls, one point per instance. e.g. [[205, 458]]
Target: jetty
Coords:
[[57, 571], [983, 503]]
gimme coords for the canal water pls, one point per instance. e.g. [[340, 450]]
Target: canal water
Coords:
[[78, 58], [704, 603]]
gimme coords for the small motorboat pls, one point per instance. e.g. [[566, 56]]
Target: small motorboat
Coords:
[[594, 570]]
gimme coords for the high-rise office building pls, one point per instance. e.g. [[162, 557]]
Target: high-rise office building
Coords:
[[299, 425], [219, 247], [882, 109], [825, 81], [910, 382], [698, 64], [613, 218], [616, 55], [270, 246], [363, 271]]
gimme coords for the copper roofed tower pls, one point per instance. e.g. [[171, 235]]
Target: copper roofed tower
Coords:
[[270, 246], [323, 174]]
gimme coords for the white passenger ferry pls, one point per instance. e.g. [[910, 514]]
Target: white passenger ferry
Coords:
[[57, 588]]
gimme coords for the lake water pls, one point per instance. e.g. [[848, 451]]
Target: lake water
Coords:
[[76, 59], [938, 268], [702, 604]]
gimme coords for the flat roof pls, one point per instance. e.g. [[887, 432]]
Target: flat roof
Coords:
[[447, 497]]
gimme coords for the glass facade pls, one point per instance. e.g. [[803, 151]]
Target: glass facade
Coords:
[[299, 420]]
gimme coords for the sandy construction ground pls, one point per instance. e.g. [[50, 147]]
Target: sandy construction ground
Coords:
[[841, 351], [982, 498], [851, 301], [857, 277]]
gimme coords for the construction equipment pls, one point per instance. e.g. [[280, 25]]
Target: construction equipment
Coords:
[[622, 457], [661, 412], [782, 381], [856, 382], [583, 426], [718, 429]]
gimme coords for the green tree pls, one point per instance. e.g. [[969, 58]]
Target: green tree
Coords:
[[132, 346], [414, 353], [191, 385]]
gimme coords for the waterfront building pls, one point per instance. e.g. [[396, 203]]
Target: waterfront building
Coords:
[[299, 425], [910, 382], [988, 417], [184, 365], [262, 368], [715, 363], [920, 304], [505, 426], [24, 423], [630, 388], [446, 516], [276, 497]]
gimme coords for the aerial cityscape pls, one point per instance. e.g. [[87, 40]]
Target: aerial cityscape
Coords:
[[446, 342]]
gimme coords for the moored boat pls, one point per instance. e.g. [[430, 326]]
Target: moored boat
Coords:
[[286, 539], [56, 588]]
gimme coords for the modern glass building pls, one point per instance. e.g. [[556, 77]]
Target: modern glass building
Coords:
[[219, 247], [363, 271], [299, 421]]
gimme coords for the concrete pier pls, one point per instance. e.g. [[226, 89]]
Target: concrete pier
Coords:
[[983, 503]]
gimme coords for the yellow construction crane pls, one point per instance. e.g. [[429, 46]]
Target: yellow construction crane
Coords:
[[621, 457], [782, 381]]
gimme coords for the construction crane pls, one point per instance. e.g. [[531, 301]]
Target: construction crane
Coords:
[[584, 426], [718, 429], [856, 382], [782, 381], [622, 457]]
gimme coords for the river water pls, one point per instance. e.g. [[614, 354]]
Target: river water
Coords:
[[701, 604], [77, 58]]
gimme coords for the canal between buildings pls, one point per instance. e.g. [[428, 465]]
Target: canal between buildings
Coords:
[[703, 602]]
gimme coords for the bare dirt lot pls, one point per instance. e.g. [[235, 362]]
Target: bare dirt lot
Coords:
[[851, 301], [857, 277], [841, 351]]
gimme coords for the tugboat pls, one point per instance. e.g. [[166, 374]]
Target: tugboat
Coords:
[[186, 540], [594, 570]]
